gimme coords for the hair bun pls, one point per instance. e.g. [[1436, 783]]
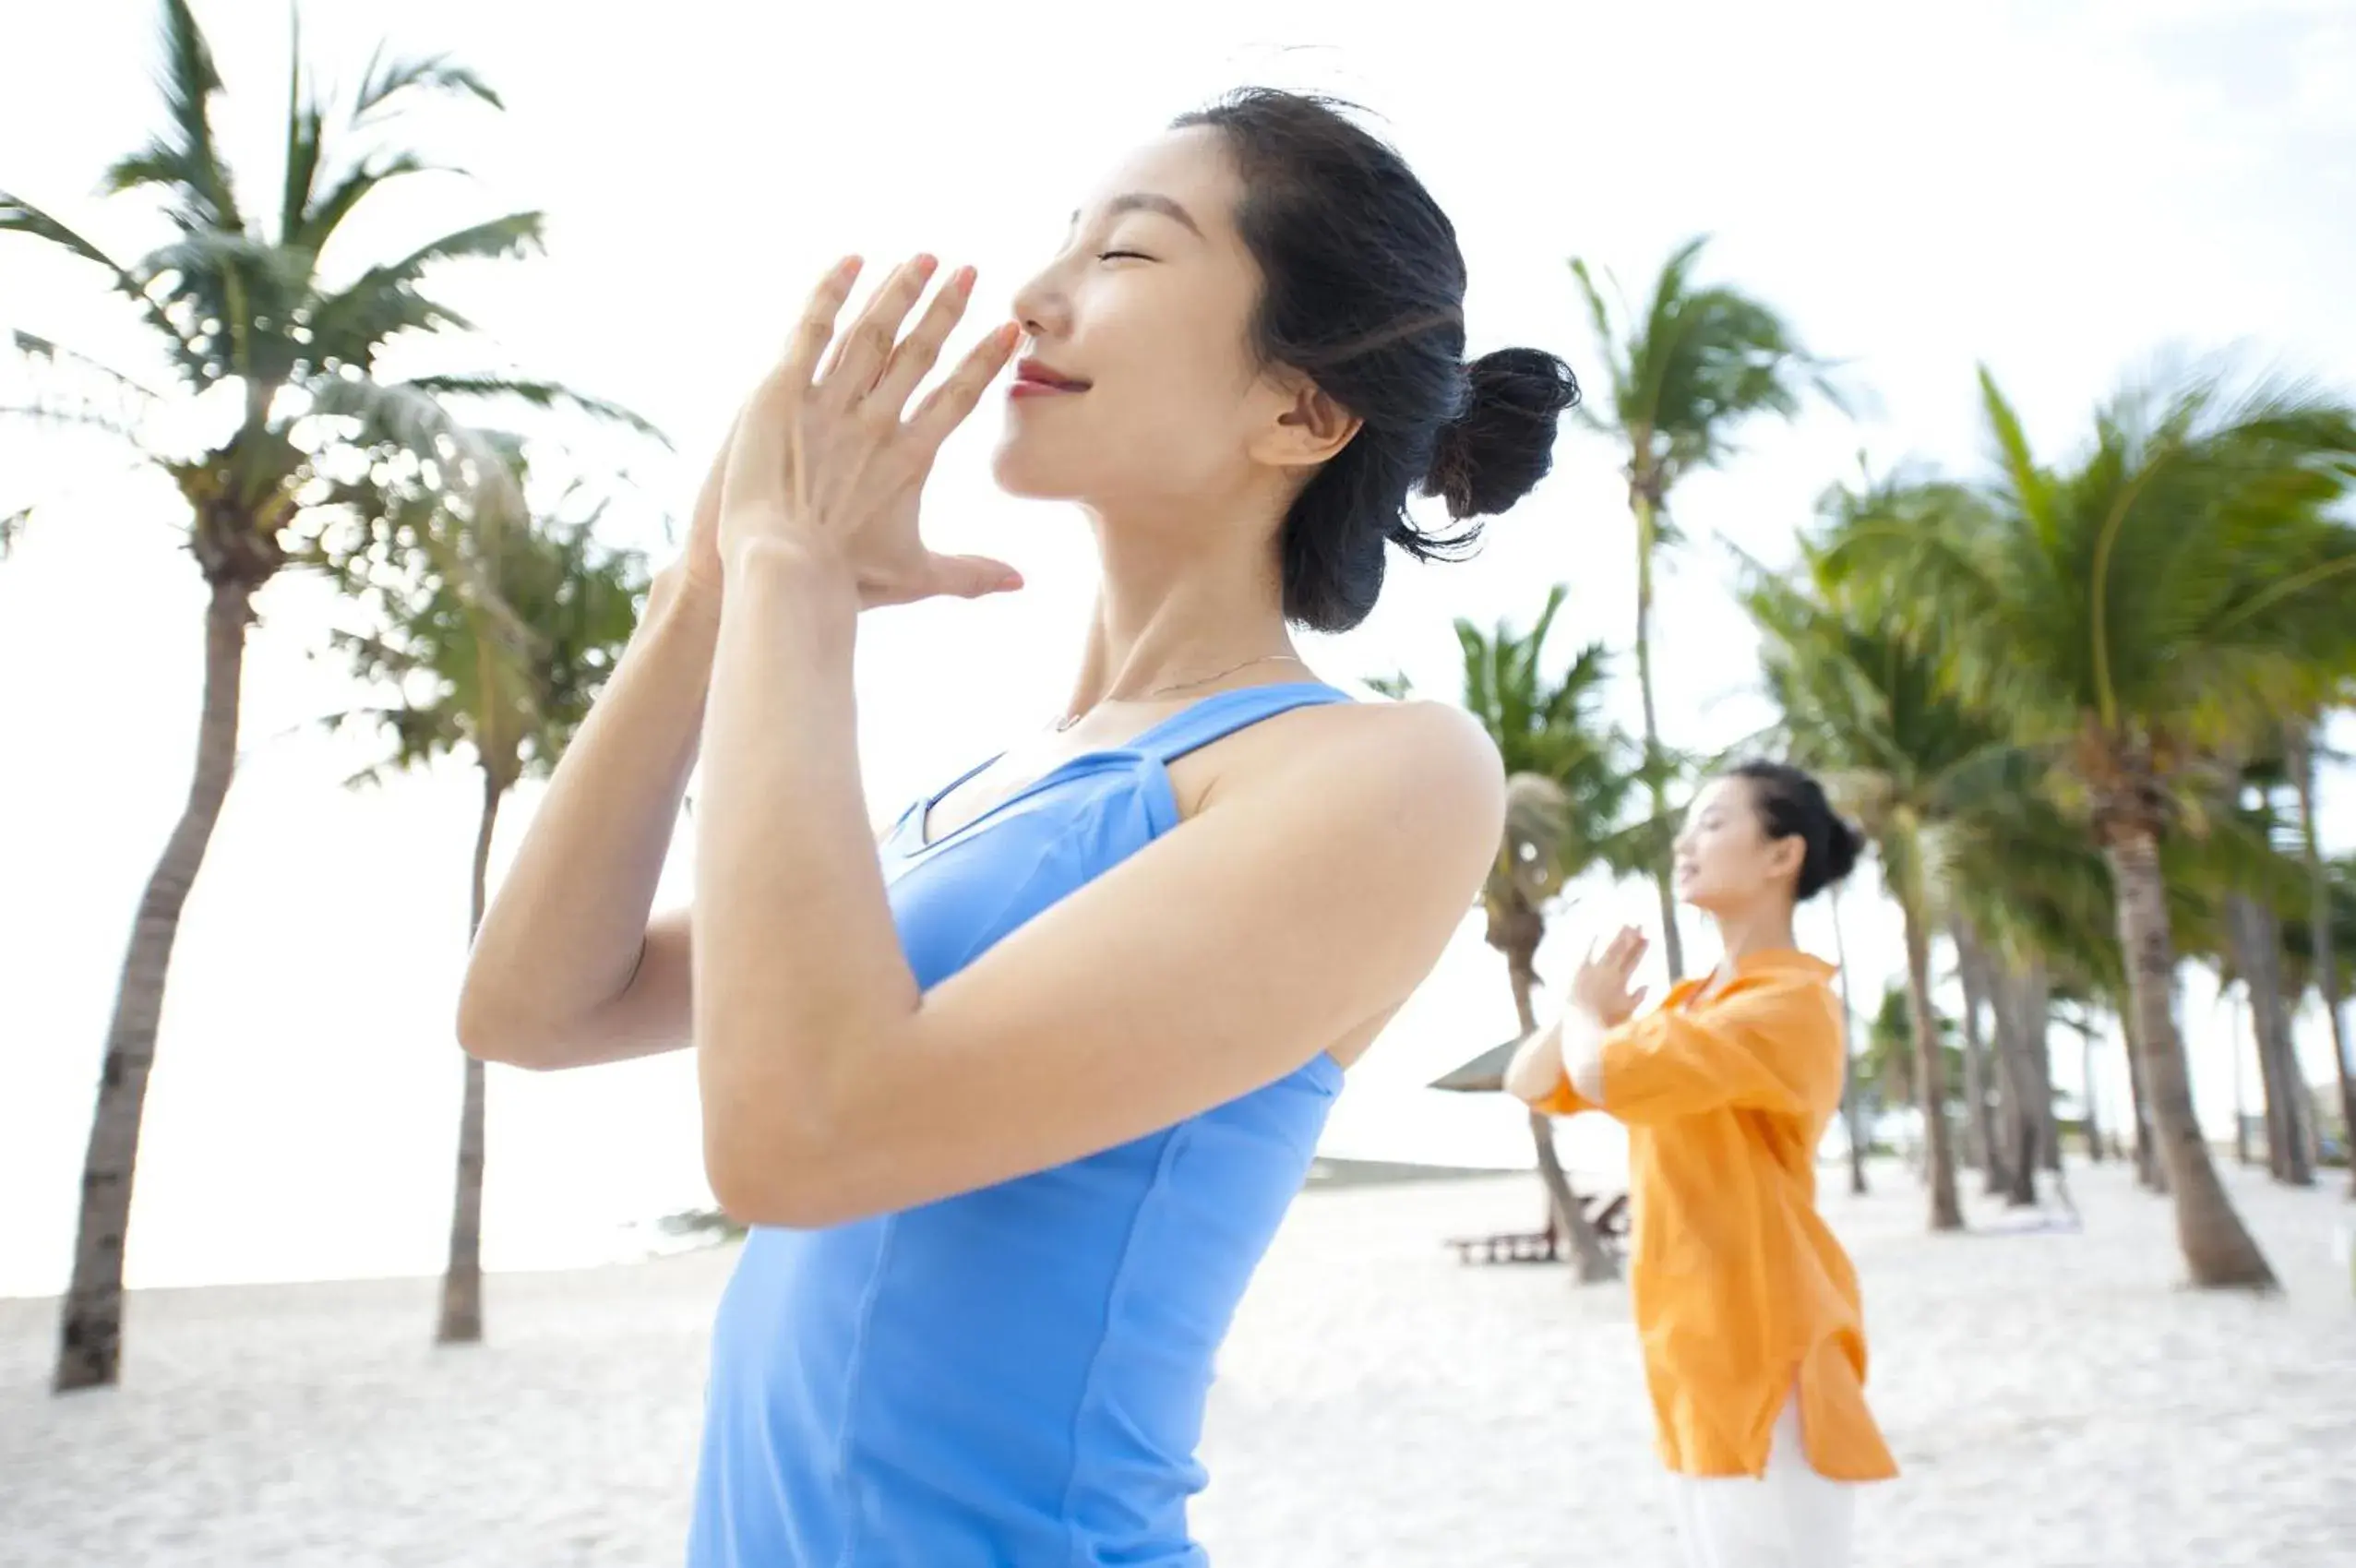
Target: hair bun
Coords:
[[1842, 848], [1501, 442]]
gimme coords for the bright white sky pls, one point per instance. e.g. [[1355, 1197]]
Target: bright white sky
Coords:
[[2057, 189]]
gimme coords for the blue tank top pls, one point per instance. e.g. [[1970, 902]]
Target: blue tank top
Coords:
[[1016, 1375]]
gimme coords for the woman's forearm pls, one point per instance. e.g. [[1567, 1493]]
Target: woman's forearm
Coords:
[[1568, 1051], [563, 938], [798, 967], [1536, 1067]]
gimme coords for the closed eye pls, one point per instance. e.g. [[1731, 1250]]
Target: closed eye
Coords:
[[1123, 256]]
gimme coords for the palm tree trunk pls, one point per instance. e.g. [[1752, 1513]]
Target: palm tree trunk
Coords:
[[1853, 1092], [2240, 1100], [2149, 1173], [462, 1320], [2028, 1076], [2303, 773], [2219, 1250], [1983, 1119], [1979, 1132], [1663, 874], [89, 1340], [2255, 933], [1929, 1079], [2094, 1152], [2014, 1134], [1592, 1259]]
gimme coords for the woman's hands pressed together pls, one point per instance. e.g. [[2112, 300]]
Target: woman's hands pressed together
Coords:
[[828, 461], [1600, 988]]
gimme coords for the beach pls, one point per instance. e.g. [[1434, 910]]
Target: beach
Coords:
[[2056, 1399]]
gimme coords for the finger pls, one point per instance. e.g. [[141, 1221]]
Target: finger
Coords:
[[707, 501], [971, 577], [947, 405], [920, 350], [816, 329], [859, 357]]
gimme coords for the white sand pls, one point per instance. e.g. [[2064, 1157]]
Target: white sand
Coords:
[[2056, 1401]]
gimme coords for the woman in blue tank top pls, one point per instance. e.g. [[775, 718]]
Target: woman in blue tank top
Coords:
[[1014, 1101]]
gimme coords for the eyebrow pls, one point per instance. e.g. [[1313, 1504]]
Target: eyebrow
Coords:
[[1145, 201]]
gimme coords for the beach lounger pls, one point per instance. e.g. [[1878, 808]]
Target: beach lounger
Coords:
[[1606, 1213]]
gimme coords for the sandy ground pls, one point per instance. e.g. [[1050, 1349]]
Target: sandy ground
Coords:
[[2056, 1401]]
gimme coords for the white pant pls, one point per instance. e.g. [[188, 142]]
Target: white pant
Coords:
[[1791, 1517]]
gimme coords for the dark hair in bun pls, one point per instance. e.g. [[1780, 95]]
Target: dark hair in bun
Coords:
[[1496, 451], [1793, 805], [1363, 291]]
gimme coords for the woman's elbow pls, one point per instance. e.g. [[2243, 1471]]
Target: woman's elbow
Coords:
[[491, 1030], [773, 1158], [781, 1188]]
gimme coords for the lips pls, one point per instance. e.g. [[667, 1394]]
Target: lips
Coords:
[[1032, 378]]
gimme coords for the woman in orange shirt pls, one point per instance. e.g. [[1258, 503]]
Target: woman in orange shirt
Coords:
[[1755, 1344]]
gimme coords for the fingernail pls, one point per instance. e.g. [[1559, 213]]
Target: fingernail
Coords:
[[926, 266], [962, 280], [849, 267], [1010, 581]]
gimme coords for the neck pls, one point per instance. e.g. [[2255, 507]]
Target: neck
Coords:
[[1762, 927], [1179, 602]]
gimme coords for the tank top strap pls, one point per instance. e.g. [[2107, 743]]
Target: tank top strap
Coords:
[[1217, 717]]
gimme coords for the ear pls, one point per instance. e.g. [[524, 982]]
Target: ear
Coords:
[[1307, 426], [1786, 856]]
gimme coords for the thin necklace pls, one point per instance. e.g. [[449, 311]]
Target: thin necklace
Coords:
[[1069, 720]]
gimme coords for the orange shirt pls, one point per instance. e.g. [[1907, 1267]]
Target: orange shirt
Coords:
[[1740, 1293]]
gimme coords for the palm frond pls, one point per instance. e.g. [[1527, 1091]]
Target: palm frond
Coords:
[[382, 302], [1700, 362], [494, 638], [83, 418], [306, 139], [409, 417], [322, 214], [19, 216], [537, 394], [386, 80], [186, 161], [39, 348]]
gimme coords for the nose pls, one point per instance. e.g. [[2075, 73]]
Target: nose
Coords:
[[1044, 304]]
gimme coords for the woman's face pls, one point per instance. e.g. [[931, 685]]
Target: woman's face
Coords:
[[1725, 859], [1137, 386]]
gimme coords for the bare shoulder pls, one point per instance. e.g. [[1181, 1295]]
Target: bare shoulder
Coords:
[[1421, 765], [1438, 749]]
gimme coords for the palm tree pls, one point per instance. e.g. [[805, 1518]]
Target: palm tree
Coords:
[[2322, 949], [1983, 1141], [1852, 1088], [1891, 1067], [279, 358], [494, 635], [1907, 759], [1565, 792], [2137, 614], [2034, 923], [2248, 946], [1703, 360]]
